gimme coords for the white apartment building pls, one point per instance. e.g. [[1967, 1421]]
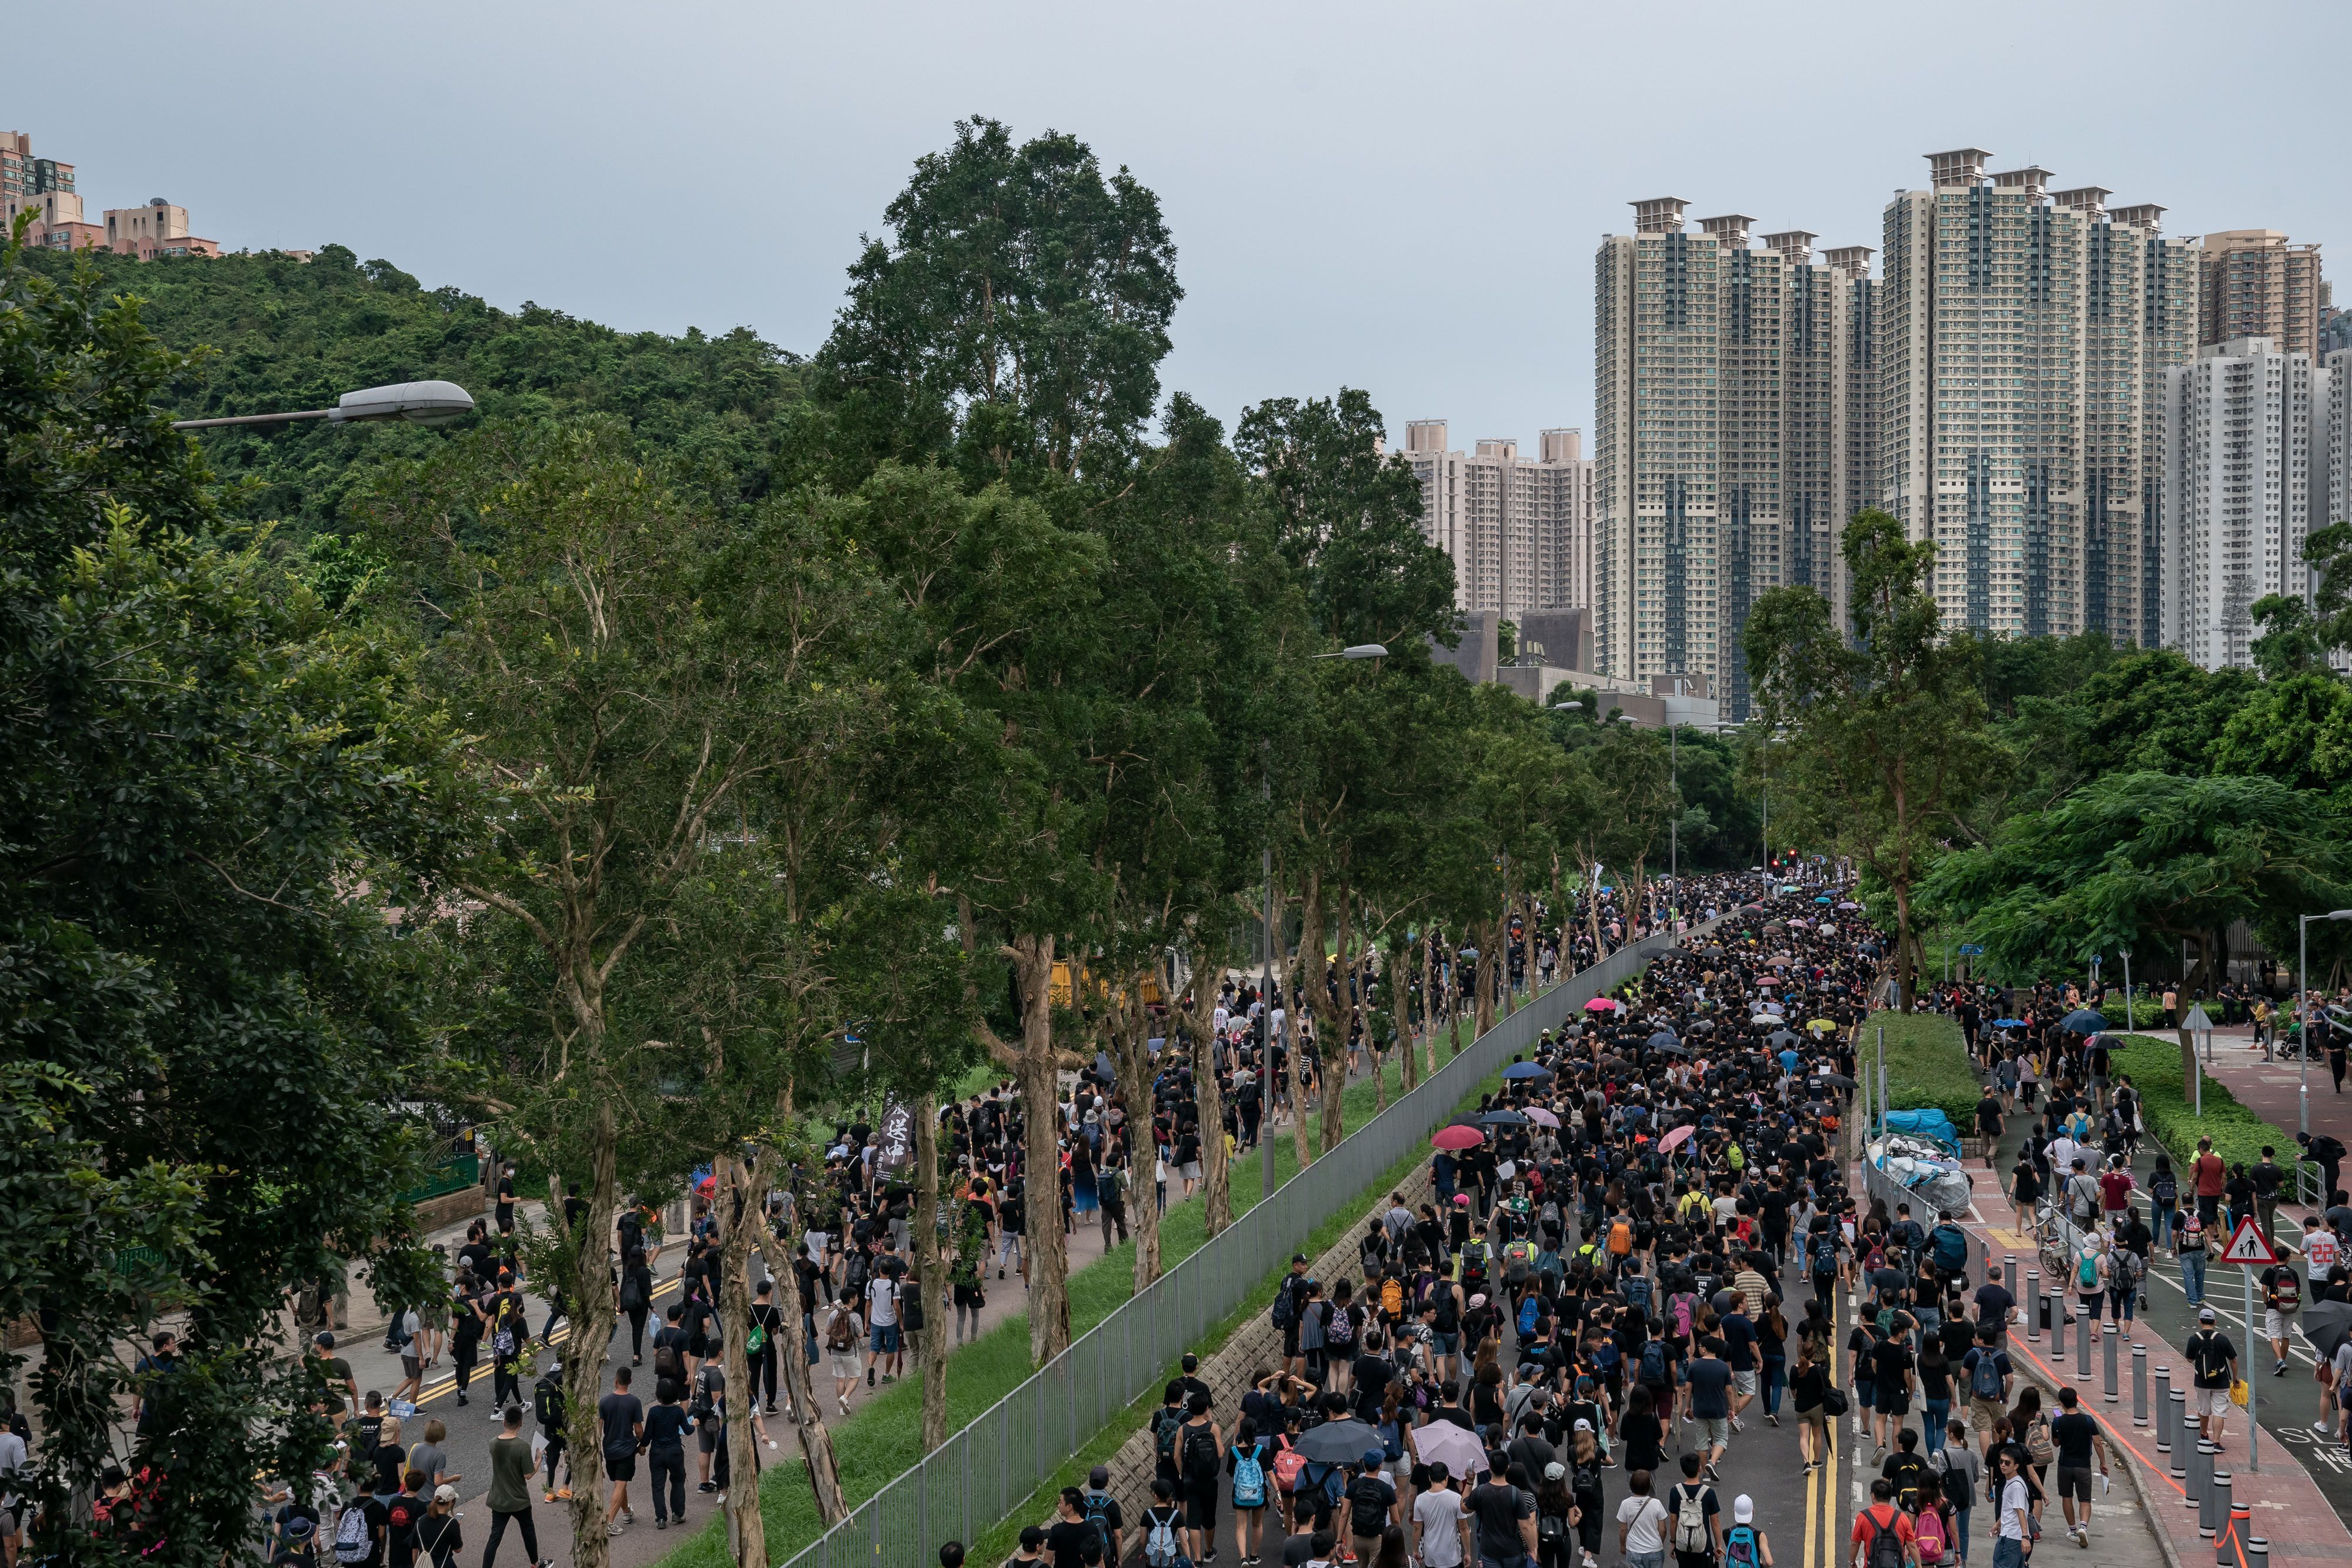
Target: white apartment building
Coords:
[[2020, 340], [2245, 447], [1519, 530], [2338, 390], [1735, 420]]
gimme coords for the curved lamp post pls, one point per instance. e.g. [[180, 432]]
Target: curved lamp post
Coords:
[[416, 402]]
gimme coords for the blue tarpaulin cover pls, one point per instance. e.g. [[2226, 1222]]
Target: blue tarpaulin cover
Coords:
[[1930, 1123]]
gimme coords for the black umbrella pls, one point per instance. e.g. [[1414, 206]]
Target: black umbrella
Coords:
[[1780, 1037], [1674, 1050], [1500, 1118], [1339, 1442], [1838, 1079], [1664, 1037], [2324, 1324]]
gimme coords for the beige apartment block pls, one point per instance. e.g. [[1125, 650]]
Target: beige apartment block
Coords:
[[2258, 284], [1519, 529]]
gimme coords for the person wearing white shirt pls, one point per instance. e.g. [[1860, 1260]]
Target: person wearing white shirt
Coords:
[[1441, 1531], [2009, 1532], [1640, 1520]]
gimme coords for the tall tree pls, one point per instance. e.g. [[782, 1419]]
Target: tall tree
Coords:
[[218, 800], [1889, 743], [1018, 311]]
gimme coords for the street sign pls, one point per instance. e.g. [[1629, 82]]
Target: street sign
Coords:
[[1971, 950], [2248, 1245]]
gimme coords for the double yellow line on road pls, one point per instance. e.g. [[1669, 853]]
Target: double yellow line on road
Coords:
[[450, 1385], [1821, 1485]]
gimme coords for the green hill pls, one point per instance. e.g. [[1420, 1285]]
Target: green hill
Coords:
[[286, 334]]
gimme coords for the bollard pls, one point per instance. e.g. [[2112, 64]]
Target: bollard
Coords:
[[2112, 1390], [2201, 1471], [2085, 1330], [2258, 1551], [2037, 1307], [2009, 1277], [2213, 1505], [2166, 1432], [2229, 1542], [2139, 1385], [2053, 1309], [2180, 1436]]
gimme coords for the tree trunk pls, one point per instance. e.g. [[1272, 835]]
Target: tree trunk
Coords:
[[1337, 1015], [1401, 1009], [1131, 1054], [1528, 940], [930, 1274], [816, 1439], [1049, 1254], [737, 1200], [1483, 982], [1217, 1174], [1428, 1002], [1306, 979], [591, 1307]]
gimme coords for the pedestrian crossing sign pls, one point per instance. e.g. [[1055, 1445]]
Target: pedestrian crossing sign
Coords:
[[2247, 1245]]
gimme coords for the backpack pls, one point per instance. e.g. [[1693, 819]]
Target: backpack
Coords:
[[432, 1551], [669, 1363], [840, 1335], [1474, 1262], [1620, 1240], [1739, 1546], [1951, 1248], [1249, 1477], [1932, 1540], [547, 1403], [2211, 1353], [1285, 1306], [1635, 1289], [632, 1293], [1097, 1505], [1165, 1424], [1392, 1297], [1984, 1378], [1528, 1307], [2087, 1272], [1159, 1547], [352, 1542], [1886, 1544], [1654, 1363], [503, 1342], [1680, 1307], [1906, 1482], [1287, 1462], [1449, 1309], [1199, 1454], [1690, 1521], [1341, 1330], [1551, 1530]]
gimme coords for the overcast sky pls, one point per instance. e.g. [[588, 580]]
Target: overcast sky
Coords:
[[1402, 198]]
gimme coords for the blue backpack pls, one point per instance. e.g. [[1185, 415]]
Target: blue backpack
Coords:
[[1653, 1363], [1249, 1477], [1527, 1309]]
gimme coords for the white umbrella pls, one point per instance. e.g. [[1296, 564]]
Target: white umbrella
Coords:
[[1456, 1448]]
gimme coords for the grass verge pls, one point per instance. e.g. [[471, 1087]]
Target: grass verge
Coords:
[[884, 1436], [2153, 1065], [1926, 1064]]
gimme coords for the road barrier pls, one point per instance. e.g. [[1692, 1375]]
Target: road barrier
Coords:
[[987, 1470]]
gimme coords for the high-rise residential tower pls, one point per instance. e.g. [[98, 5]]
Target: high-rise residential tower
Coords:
[[2021, 336], [2257, 285], [2246, 440], [1519, 530]]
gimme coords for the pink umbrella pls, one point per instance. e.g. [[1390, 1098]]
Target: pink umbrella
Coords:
[[1675, 1139], [1542, 1117], [1444, 1443], [1457, 1138], [1600, 1004]]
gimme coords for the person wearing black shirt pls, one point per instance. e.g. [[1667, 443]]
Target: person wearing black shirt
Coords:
[[768, 1319], [1506, 1515], [620, 1424], [2075, 1436], [666, 1425], [1068, 1536]]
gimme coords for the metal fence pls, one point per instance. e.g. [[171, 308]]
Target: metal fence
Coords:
[[985, 1471]]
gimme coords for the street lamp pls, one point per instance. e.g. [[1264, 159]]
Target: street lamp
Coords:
[[2303, 1012], [416, 402]]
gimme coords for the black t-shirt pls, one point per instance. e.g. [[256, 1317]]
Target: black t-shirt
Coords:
[[1369, 1501], [402, 1514], [1065, 1540], [1498, 1507], [2072, 1435], [619, 1415], [376, 1523], [666, 1428], [1994, 1303]]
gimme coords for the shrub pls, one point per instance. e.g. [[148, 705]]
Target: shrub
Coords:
[[2153, 1065], [1926, 1064]]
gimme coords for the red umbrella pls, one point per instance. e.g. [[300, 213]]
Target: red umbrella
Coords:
[[1458, 1138], [1675, 1139], [1600, 1004]]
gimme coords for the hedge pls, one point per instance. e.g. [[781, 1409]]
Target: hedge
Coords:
[[2153, 1065], [1927, 1065]]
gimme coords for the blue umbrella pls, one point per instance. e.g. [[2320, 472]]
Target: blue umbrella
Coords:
[[2082, 1020], [2008, 1023], [1824, 898], [1526, 1069]]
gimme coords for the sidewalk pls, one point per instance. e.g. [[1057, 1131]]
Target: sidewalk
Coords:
[[2270, 1089]]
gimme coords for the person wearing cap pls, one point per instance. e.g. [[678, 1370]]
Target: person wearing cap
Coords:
[[2214, 1362], [439, 1537], [1101, 1509], [1371, 1503], [1033, 1547], [1744, 1546]]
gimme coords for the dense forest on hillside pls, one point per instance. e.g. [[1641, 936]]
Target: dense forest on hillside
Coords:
[[278, 333]]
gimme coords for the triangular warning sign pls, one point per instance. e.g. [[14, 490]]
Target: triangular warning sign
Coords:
[[2247, 1246]]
